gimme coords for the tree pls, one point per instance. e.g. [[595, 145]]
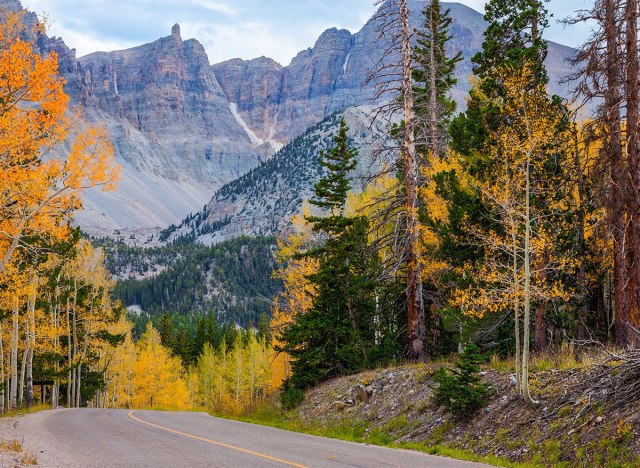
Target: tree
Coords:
[[528, 207], [608, 74], [165, 328], [334, 335], [157, 377], [433, 76], [40, 189]]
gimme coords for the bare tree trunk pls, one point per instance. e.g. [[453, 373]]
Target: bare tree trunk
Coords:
[[632, 91], [75, 341], [616, 207], [23, 366], [416, 328], [516, 307], [69, 374], [30, 340], [3, 390], [433, 89]]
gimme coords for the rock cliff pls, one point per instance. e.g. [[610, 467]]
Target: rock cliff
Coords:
[[183, 128], [282, 102]]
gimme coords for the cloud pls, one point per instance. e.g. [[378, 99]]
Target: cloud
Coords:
[[215, 6], [230, 28]]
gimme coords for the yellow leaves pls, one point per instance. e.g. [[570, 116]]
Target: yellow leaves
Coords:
[[40, 186], [144, 374], [157, 378]]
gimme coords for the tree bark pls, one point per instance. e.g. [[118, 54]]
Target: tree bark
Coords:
[[632, 90], [30, 340], [13, 390], [616, 209], [69, 357], [416, 328], [3, 390], [527, 289]]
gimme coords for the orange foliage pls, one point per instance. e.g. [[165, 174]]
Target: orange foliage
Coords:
[[40, 190]]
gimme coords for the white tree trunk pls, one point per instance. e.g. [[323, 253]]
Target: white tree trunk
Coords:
[[527, 289], [13, 390]]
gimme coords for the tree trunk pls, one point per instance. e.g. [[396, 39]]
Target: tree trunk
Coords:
[[3, 390], [23, 368], [632, 91], [516, 307], [69, 357], [31, 340], [416, 328], [13, 390], [616, 209], [527, 289], [433, 89]]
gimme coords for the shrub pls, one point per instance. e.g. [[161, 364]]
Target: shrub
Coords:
[[291, 397], [460, 390]]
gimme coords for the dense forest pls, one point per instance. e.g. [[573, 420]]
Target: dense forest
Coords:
[[231, 280]]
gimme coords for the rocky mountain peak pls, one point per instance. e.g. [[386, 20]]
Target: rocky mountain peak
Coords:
[[175, 31]]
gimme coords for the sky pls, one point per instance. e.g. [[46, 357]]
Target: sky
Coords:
[[232, 28]]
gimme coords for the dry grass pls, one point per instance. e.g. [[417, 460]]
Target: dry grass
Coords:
[[13, 445], [21, 411], [29, 459]]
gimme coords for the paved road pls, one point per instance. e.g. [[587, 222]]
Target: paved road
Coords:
[[121, 438]]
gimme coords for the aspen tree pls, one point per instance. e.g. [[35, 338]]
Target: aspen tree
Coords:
[[39, 190]]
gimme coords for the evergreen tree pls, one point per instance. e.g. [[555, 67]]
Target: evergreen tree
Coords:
[[434, 77], [335, 335], [166, 330]]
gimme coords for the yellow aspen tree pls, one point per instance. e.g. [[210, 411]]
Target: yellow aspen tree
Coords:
[[158, 379], [520, 253], [41, 186]]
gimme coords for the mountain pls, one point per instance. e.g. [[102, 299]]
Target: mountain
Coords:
[[174, 131], [183, 128], [262, 201], [279, 103]]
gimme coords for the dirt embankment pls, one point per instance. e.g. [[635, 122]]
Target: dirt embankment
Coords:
[[579, 421]]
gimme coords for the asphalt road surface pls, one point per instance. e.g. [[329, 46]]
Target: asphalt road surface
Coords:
[[121, 438]]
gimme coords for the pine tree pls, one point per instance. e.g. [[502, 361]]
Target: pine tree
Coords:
[[433, 79], [335, 335], [165, 328]]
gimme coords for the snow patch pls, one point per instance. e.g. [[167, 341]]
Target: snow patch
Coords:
[[250, 133], [276, 146], [346, 62]]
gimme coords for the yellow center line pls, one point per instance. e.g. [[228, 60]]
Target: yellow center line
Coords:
[[232, 447]]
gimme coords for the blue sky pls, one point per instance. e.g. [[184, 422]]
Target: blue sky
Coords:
[[230, 28]]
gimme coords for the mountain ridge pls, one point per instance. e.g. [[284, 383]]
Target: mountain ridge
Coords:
[[182, 127]]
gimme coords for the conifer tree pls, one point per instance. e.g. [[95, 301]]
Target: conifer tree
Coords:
[[165, 328], [334, 336], [433, 78]]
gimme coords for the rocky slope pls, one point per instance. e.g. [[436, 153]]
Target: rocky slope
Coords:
[[173, 129], [262, 201], [580, 420], [183, 128]]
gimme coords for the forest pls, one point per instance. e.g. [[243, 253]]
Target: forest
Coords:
[[509, 230]]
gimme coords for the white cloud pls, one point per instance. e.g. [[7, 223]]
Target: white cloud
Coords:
[[231, 28], [216, 6]]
